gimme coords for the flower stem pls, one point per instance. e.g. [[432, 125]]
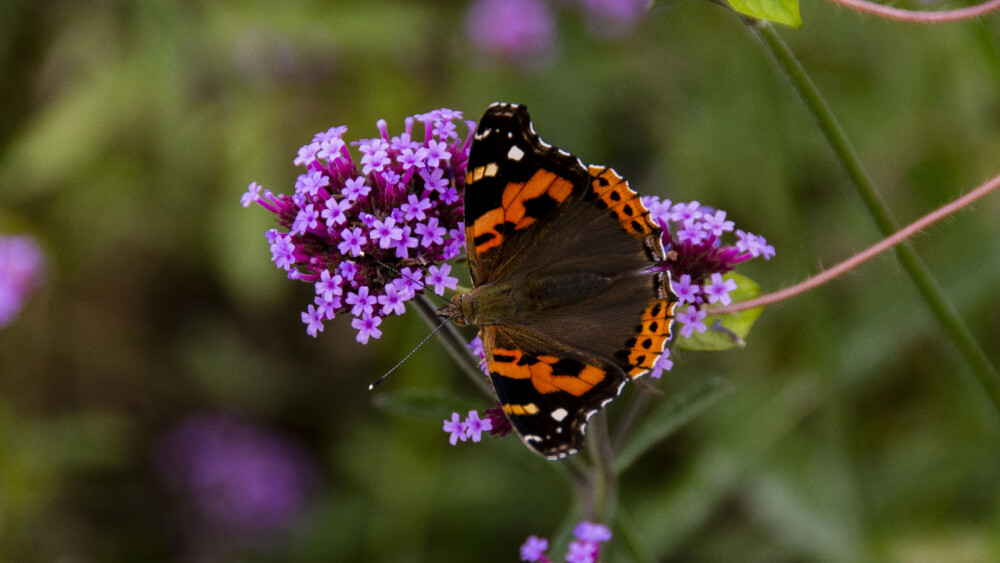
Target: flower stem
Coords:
[[928, 287], [455, 344], [910, 16], [867, 254], [604, 478]]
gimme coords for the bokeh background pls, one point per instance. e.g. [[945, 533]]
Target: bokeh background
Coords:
[[160, 399]]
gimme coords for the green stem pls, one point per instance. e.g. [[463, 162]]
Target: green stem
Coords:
[[604, 477], [455, 344], [928, 287]]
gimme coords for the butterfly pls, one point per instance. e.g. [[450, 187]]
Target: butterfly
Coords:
[[565, 292]]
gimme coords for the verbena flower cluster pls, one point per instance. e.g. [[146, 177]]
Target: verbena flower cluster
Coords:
[[697, 258], [21, 272], [585, 549], [372, 234]]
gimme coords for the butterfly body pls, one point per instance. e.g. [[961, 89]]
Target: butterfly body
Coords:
[[566, 291]]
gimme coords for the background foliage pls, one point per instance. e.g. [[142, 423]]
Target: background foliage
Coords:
[[129, 130]]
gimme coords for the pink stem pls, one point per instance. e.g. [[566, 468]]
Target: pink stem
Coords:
[[864, 256], [920, 17]]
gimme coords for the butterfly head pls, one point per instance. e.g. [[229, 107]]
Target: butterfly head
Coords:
[[462, 310]]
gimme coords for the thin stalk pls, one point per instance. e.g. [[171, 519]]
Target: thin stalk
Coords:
[[863, 256], [604, 477], [930, 290]]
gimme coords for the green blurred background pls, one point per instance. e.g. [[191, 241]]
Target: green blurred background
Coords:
[[128, 131]]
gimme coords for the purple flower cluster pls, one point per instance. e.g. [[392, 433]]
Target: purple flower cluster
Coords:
[[371, 234], [21, 272], [697, 257], [472, 427], [235, 480], [585, 549]]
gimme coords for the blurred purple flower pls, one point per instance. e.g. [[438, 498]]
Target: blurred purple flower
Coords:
[[585, 549], [613, 18], [237, 481], [518, 32], [22, 268]]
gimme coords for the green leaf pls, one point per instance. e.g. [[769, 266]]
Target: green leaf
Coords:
[[670, 415], [778, 11], [428, 404], [730, 330]]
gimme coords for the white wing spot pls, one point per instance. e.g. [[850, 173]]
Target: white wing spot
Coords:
[[559, 414], [515, 153]]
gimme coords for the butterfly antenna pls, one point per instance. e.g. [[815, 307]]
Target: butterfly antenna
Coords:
[[418, 346]]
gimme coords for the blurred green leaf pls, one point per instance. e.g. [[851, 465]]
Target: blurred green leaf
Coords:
[[778, 11], [726, 331], [670, 415], [429, 404]]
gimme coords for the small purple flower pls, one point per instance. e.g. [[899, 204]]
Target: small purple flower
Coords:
[[355, 189], [717, 223], [22, 268], [410, 158], [718, 290], [335, 212], [314, 320], [580, 551], [414, 208], [392, 301], [367, 326], [663, 363], [430, 232], [310, 183], [283, 252], [686, 291], [251, 195], [475, 426], [438, 150], [659, 210], [361, 302], [692, 233], [456, 428], [754, 245], [386, 233], [439, 278], [353, 242], [307, 218], [329, 285], [585, 549], [406, 242], [682, 212], [592, 532], [692, 319], [434, 181], [410, 278], [533, 549], [476, 345]]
